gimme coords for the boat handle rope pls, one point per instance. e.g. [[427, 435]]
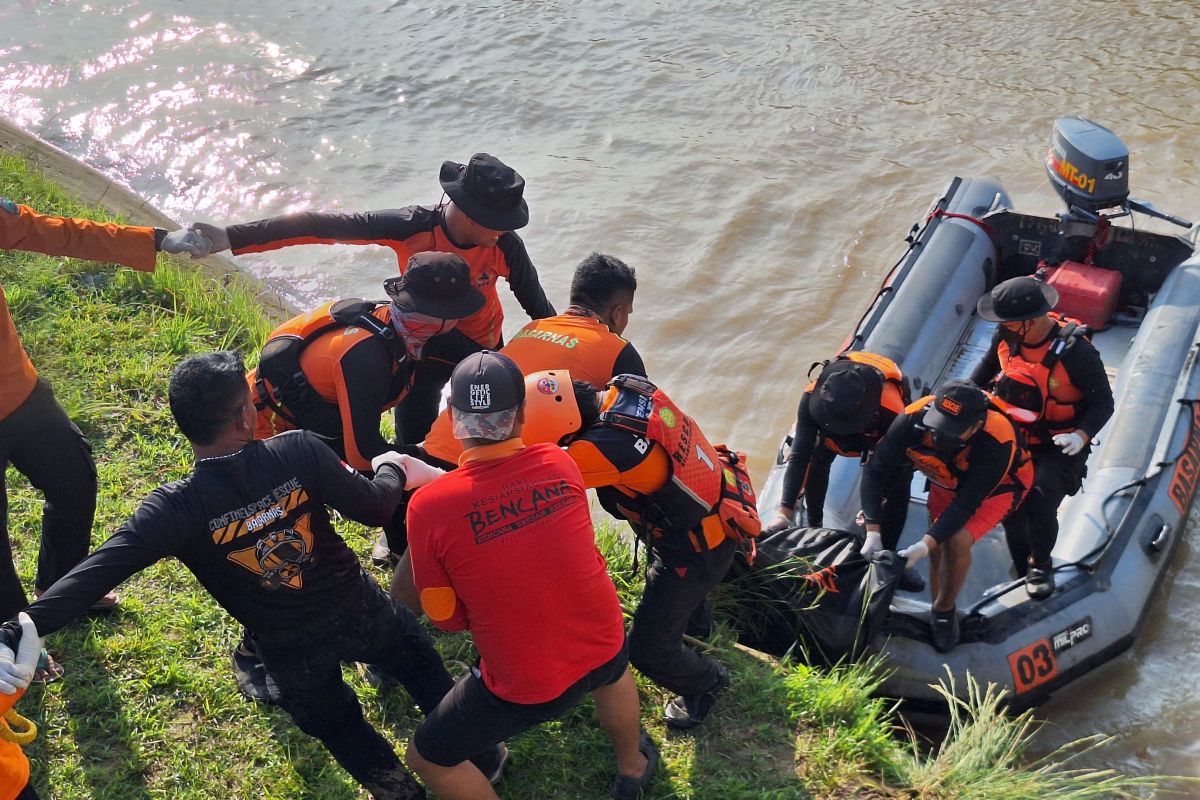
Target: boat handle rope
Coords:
[[1088, 562], [941, 212]]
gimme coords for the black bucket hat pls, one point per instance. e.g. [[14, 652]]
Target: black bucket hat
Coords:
[[488, 191], [437, 284], [1016, 300], [956, 406], [845, 397]]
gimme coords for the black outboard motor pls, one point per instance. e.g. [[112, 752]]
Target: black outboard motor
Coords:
[[1089, 168], [1088, 165]]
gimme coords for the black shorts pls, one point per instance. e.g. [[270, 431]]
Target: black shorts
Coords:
[[470, 719]]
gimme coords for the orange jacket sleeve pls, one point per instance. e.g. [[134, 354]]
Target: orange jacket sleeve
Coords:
[[22, 228]]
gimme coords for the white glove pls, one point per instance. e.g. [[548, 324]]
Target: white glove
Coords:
[[778, 522], [186, 241], [872, 545], [16, 669], [914, 553], [387, 457], [416, 472], [1071, 443], [215, 238]]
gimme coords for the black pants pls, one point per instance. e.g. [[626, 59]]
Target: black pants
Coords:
[[471, 719], [1032, 529], [656, 645], [419, 408], [895, 498], [308, 671], [45, 446]]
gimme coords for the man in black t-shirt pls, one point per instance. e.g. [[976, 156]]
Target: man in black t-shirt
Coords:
[[251, 524]]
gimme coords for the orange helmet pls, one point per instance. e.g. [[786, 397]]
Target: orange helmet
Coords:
[[551, 411]]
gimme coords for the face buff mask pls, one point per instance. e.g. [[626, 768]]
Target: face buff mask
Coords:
[[945, 444], [416, 329], [1016, 336]]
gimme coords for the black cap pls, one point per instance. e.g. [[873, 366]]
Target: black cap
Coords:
[[1017, 299], [437, 284], [488, 191], [956, 406], [845, 398], [486, 382]]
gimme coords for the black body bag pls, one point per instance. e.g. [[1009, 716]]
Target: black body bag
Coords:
[[811, 593]]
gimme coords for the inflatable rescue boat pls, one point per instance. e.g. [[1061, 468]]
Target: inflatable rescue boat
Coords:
[[1140, 293]]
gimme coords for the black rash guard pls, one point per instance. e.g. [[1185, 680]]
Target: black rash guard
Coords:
[[374, 382], [406, 231], [988, 459], [254, 530], [802, 471]]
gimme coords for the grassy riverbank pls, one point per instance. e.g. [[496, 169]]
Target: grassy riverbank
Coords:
[[148, 707]]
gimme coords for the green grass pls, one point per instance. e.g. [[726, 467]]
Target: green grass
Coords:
[[148, 707]]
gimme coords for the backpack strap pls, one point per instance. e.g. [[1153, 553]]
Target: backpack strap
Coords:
[[359, 312], [1068, 333]]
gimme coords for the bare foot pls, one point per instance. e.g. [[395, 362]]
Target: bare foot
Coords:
[[48, 670]]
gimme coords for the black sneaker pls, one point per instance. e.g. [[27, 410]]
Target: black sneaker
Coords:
[[688, 712], [377, 679], [943, 627], [492, 762], [1039, 581], [627, 788], [252, 678], [396, 783], [381, 554]]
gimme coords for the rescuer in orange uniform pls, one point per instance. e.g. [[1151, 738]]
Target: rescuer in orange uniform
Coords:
[[584, 340], [348, 372], [1061, 379], [979, 471], [651, 465], [845, 412], [36, 436], [476, 223]]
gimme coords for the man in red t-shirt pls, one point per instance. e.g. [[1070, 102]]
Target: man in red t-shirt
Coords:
[[498, 547]]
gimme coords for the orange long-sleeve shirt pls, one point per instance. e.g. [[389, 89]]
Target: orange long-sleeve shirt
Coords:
[[22, 228]]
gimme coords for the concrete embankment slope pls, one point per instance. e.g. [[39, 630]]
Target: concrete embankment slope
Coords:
[[94, 188]]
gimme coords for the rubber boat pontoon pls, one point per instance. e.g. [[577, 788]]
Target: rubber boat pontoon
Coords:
[[1119, 532]]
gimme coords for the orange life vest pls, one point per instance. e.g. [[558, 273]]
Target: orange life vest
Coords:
[[279, 381], [947, 469], [584, 346], [705, 480], [1060, 412], [14, 730], [891, 400]]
